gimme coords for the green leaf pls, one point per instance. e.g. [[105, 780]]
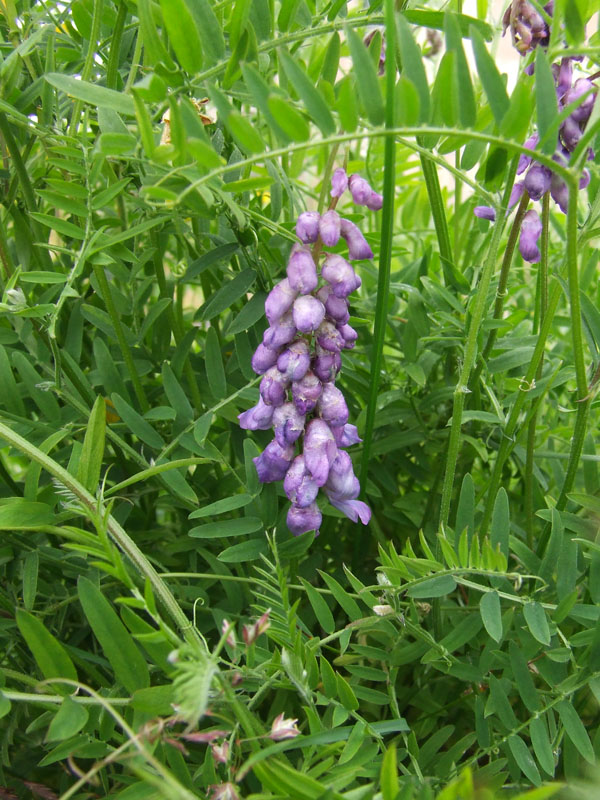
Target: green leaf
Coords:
[[30, 578], [59, 225], [445, 90], [524, 759], [19, 514], [467, 111], [246, 551], [546, 103], [331, 62], [222, 506], [210, 29], [540, 741], [155, 700], [407, 104], [500, 526], [537, 622], [349, 605], [228, 294], [50, 655], [129, 665], [491, 614], [251, 312], [290, 121], [434, 587], [92, 453], [320, 607], [575, 730], [345, 693], [412, 65], [44, 400], [5, 705], [247, 137], [91, 93], [574, 19], [69, 720], [136, 423], [184, 35], [490, 78], [515, 123], [346, 104], [367, 82], [213, 361], [389, 775], [523, 680], [154, 49], [221, 253], [227, 527], [311, 97]]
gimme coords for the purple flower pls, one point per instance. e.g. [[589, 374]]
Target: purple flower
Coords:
[[329, 337], [257, 418], [585, 179], [326, 364], [332, 406], [563, 75], [358, 247], [341, 480], [307, 227], [570, 133], [281, 332], [273, 463], [263, 358], [273, 387], [299, 485], [288, 424], [353, 509], [306, 392], [485, 212], [335, 307], [279, 300], [320, 450], [531, 228], [349, 335], [360, 189], [329, 228], [301, 520], [584, 109], [301, 271], [346, 435], [308, 313], [528, 28], [295, 361], [537, 181], [559, 192], [525, 160], [374, 201], [339, 275], [339, 182], [516, 194]]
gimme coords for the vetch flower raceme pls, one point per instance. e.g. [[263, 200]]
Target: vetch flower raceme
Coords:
[[299, 360]]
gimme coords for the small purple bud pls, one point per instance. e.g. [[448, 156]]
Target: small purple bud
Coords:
[[341, 480], [320, 450], [531, 228], [329, 337], [329, 228], [349, 335], [281, 332], [273, 387], [263, 359], [585, 179], [298, 484], [295, 361], [302, 520], [560, 193], [580, 87], [273, 463], [570, 133], [360, 189], [339, 182], [326, 365], [301, 271], [336, 308], [346, 435], [306, 392], [353, 509], [485, 212], [375, 201], [288, 424], [525, 160], [258, 418], [279, 300], [515, 194], [332, 406], [308, 313], [340, 276], [307, 226], [563, 76], [537, 181], [358, 247]]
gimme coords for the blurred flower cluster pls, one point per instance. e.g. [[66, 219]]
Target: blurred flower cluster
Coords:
[[528, 27], [300, 358]]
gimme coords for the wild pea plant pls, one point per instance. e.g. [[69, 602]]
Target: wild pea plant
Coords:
[[176, 232]]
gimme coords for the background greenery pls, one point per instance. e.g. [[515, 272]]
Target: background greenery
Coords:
[[135, 255]]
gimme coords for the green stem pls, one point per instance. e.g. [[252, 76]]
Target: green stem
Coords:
[[116, 532], [385, 252], [88, 65], [125, 350], [115, 47], [438, 211]]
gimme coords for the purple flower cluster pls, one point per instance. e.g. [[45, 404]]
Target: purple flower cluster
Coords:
[[528, 27], [299, 360]]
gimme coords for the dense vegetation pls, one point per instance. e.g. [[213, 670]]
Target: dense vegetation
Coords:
[[163, 634]]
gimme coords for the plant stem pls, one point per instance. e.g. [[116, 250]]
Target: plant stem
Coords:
[[115, 47], [86, 72], [385, 252], [438, 212]]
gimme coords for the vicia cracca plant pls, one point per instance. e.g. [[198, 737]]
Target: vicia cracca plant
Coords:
[[300, 355]]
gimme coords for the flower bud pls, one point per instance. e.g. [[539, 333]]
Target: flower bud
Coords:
[[307, 226], [301, 271], [308, 313], [329, 228], [319, 450], [263, 359], [339, 275], [559, 192], [288, 424], [299, 485], [272, 464], [273, 387], [332, 406], [306, 392], [279, 300], [358, 247], [349, 335], [374, 201], [537, 181], [329, 337], [258, 418], [302, 520], [360, 189], [525, 160], [281, 332], [531, 228], [295, 360], [584, 109], [326, 364], [346, 435], [336, 308], [339, 182], [485, 212], [515, 194], [570, 133], [341, 479]]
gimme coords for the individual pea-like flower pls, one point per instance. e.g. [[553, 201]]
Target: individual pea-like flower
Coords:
[[299, 484], [301, 271], [283, 728], [257, 418], [358, 247], [525, 160], [527, 26], [306, 392], [332, 406], [329, 337], [223, 791], [308, 313], [346, 435], [273, 387], [340, 276], [302, 520], [307, 226], [581, 87], [330, 228], [339, 182], [281, 332], [272, 464], [485, 212], [531, 228], [349, 335], [326, 364], [263, 359], [336, 308], [288, 424], [319, 450], [537, 181], [279, 300], [294, 361]]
